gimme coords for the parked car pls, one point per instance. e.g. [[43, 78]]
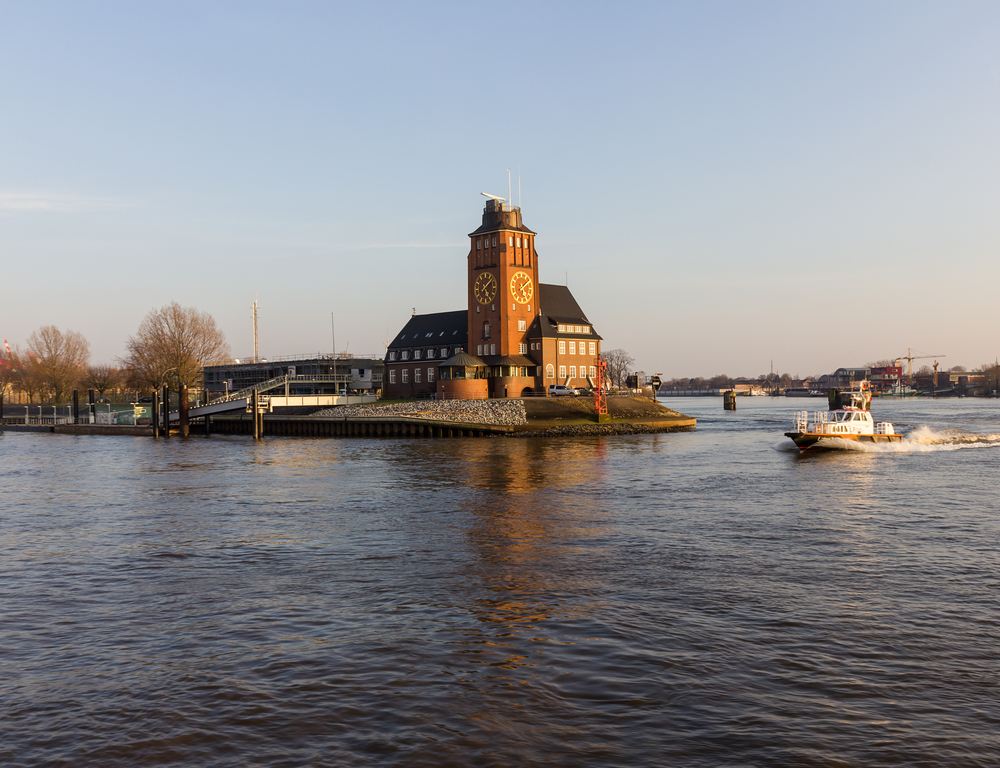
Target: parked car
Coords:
[[560, 390]]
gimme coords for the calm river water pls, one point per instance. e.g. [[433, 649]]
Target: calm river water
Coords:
[[700, 599]]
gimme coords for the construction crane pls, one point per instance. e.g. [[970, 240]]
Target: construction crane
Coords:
[[909, 357]]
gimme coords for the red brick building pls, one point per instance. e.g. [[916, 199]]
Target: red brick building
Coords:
[[518, 336]]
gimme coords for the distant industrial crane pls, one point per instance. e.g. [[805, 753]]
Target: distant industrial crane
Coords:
[[909, 357]]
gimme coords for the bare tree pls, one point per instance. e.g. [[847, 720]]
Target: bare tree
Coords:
[[619, 364], [174, 344], [101, 378], [20, 374], [61, 358]]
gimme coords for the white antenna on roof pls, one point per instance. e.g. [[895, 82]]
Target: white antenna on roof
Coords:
[[518, 185], [508, 183], [492, 197]]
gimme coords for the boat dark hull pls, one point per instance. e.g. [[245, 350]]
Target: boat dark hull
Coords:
[[811, 440]]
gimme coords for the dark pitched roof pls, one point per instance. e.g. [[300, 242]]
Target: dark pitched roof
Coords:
[[438, 329], [558, 303], [557, 307]]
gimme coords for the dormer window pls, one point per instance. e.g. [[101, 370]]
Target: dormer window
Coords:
[[416, 354]]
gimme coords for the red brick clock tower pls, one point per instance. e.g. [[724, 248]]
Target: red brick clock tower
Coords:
[[503, 282], [503, 297]]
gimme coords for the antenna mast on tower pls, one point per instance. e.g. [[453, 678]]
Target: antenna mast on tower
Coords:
[[255, 358]]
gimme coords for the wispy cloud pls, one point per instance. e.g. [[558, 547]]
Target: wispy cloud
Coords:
[[27, 202]]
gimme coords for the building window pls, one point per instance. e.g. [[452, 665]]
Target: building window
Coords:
[[392, 375], [479, 244], [522, 325], [430, 353], [562, 372], [562, 329], [416, 354], [510, 241], [593, 348], [416, 375], [562, 347], [493, 349], [430, 375], [593, 372], [494, 241], [572, 371], [572, 347], [486, 329], [550, 371], [479, 350], [522, 349], [404, 355], [444, 353], [406, 375], [586, 329], [392, 355]]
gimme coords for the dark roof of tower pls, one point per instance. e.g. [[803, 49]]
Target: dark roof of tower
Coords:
[[498, 215], [437, 329]]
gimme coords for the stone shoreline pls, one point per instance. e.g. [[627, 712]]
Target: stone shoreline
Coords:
[[495, 413]]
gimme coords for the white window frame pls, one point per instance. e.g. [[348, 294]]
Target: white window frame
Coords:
[[550, 371], [572, 371], [572, 347], [593, 348], [392, 375], [562, 372], [562, 346], [406, 376], [430, 375]]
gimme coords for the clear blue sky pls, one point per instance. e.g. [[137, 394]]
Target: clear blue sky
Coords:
[[724, 184]]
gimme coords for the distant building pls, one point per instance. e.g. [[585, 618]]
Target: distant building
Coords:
[[319, 375], [886, 377], [516, 337], [844, 378]]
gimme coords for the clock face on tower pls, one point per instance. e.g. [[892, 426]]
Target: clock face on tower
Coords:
[[485, 288], [521, 287]]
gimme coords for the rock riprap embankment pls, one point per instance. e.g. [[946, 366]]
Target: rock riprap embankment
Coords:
[[500, 413]]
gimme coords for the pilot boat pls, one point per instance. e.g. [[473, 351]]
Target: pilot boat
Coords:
[[853, 422]]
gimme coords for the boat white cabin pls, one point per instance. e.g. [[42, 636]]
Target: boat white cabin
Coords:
[[853, 423]]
